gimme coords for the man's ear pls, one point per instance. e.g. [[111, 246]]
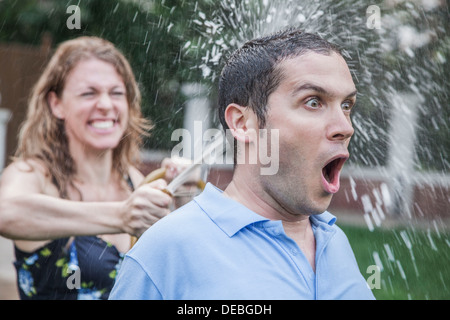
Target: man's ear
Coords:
[[242, 121], [55, 105]]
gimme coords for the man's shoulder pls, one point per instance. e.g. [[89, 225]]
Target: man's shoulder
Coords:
[[172, 238], [177, 226]]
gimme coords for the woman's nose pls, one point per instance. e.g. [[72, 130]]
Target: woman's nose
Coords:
[[104, 101]]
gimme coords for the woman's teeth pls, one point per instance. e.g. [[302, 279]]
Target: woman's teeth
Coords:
[[102, 124]]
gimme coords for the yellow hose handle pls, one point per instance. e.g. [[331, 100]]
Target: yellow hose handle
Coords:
[[154, 175]]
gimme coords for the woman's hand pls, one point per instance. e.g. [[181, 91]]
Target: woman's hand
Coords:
[[174, 166], [145, 206]]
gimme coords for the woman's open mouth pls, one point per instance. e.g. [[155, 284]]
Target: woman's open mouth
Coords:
[[331, 173], [102, 124]]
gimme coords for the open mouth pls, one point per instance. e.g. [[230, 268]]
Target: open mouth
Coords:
[[331, 172]]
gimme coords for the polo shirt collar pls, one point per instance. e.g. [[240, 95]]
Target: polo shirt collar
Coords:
[[325, 217], [228, 214], [231, 216]]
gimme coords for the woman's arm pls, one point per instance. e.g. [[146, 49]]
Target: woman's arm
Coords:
[[30, 208]]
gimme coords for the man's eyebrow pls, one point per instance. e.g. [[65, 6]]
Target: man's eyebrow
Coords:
[[351, 95], [311, 87], [319, 89]]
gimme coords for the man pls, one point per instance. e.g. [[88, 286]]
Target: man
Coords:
[[267, 236]]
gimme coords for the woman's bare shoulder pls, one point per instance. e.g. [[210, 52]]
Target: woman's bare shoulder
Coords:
[[28, 175], [27, 166]]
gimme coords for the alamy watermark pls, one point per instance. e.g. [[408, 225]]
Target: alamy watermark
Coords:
[[74, 20], [373, 281], [74, 279], [373, 16], [195, 145]]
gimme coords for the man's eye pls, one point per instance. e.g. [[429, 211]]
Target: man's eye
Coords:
[[313, 103], [347, 106]]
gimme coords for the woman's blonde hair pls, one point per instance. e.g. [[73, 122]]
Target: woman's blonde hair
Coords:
[[42, 135]]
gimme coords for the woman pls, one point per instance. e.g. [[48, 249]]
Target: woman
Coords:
[[70, 199]]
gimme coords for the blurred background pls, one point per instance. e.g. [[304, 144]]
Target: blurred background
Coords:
[[394, 202]]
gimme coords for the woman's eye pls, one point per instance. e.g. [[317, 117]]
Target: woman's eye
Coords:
[[87, 94], [118, 93], [313, 103]]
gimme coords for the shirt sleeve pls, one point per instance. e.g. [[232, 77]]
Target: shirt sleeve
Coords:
[[133, 283]]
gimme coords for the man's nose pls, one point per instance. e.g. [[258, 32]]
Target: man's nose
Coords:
[[340, 125]]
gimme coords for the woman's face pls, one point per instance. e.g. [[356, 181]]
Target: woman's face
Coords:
[[93, 105]]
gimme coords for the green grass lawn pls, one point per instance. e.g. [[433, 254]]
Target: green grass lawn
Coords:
[[415, 263]]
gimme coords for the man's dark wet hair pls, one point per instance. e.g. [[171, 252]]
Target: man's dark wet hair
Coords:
[[250, 75]]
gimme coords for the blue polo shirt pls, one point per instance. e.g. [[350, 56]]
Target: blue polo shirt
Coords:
[[216, 248]]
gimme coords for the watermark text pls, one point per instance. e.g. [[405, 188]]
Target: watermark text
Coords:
[[263, 148], [373, 16], [74, 20]]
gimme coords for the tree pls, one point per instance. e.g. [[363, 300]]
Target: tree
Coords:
[[143, 33], [171, 42]]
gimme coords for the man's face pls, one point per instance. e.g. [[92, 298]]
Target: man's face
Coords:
[[311, 108]]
